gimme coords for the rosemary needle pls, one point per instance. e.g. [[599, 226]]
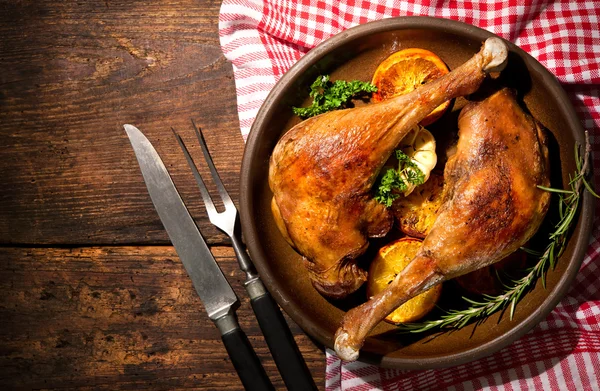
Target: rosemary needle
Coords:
[[569, 201]]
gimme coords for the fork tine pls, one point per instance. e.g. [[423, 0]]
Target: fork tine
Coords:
[[208, 202], [213, 171]]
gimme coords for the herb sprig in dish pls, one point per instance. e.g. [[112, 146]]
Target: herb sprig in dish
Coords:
[[328, 95], [396, 181]]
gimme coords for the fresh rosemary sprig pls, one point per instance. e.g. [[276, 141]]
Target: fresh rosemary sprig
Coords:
[[568, 206]]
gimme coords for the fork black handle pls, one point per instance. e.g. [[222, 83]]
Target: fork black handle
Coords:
[[283, 347], [279, 338]]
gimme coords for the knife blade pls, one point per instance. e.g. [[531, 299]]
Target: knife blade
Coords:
[[217, 296]]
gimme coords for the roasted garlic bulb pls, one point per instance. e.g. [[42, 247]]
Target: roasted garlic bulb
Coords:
[[419, 145]]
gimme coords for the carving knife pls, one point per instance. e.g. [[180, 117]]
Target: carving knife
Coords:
[[214, 290]]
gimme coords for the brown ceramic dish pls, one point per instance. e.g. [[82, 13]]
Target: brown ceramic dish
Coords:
[[354, 54]]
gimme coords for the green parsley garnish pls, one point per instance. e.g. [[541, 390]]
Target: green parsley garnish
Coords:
[[329, 95], [396, 181]]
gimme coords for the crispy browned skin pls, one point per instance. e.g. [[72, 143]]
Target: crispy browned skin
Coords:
[[321, 173], [492, 206]]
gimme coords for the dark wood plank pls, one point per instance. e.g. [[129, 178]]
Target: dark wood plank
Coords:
[[71, 74], [118, 318]]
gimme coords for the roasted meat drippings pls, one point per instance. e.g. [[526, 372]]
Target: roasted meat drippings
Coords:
[[492, 206], [322, 172]]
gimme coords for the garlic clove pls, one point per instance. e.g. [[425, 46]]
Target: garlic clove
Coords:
[[419, 144]]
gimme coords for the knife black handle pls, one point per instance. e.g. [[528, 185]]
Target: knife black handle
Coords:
[[246, 362], [283, 347]]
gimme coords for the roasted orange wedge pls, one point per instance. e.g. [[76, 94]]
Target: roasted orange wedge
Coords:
[[389, 262], [406, 70]]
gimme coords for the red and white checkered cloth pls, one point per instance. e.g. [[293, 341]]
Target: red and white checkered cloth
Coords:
[[263, 39]]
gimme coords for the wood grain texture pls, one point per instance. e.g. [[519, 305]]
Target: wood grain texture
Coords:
[[105, 317], [71, 74], [119, 318]]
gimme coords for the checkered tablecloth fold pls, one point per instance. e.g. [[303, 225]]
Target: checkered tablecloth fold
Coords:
[[263, 39]]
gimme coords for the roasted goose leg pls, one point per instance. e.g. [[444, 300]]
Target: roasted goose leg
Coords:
[[492, 206], [322, 172]]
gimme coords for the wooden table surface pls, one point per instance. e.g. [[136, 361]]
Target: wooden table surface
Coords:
[[92, 295]]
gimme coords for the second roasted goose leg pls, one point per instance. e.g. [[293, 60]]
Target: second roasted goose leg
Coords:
[[492, 206]]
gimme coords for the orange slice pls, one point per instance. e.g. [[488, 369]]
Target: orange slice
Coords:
[[404, 71], [389, 262]]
